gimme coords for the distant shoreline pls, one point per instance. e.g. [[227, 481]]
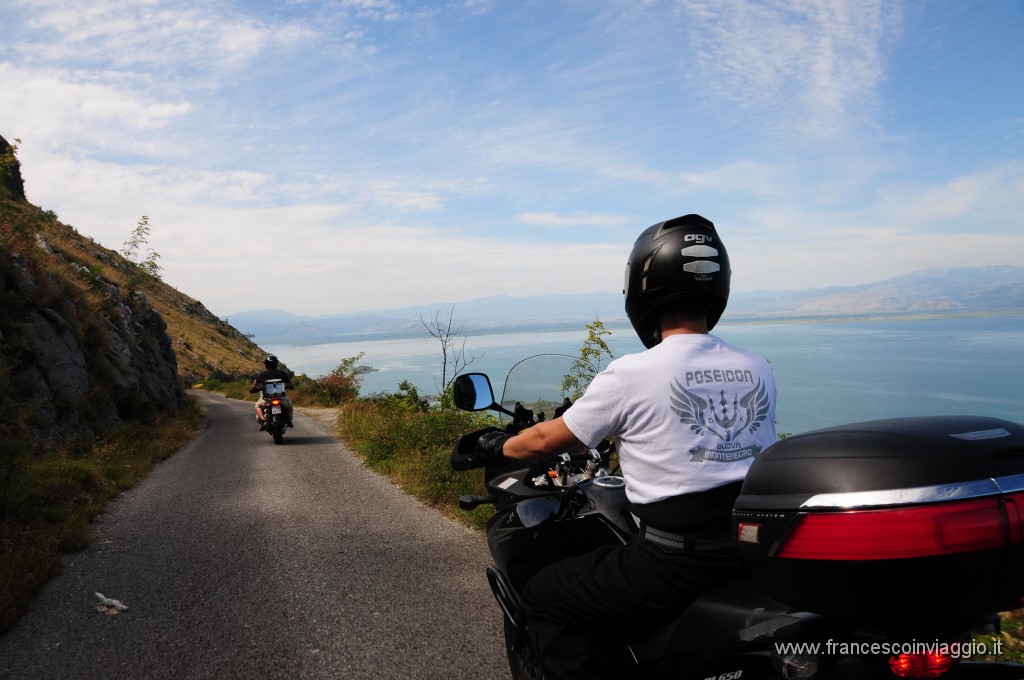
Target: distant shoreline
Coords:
[[619, 324], [876, 316]]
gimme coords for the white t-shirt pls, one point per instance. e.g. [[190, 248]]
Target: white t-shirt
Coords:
[[690, 414]]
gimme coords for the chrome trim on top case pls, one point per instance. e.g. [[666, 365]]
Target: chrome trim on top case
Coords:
[[937, 493]]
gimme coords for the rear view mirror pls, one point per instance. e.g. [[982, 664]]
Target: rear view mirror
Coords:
[[472, 392]]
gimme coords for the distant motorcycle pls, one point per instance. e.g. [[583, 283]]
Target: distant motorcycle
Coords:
[[875, 548], [275, 419]]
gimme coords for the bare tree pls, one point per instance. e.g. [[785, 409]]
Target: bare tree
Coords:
[[449, 332]]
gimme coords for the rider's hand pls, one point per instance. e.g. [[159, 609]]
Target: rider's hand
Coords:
[[490, 444]]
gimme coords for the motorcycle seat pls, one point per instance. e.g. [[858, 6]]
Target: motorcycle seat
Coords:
[[710, 626]]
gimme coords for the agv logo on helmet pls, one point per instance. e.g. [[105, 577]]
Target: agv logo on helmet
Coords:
[[698, 238]]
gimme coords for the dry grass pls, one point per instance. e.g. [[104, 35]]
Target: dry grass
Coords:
[[50, 500], [204, 344]]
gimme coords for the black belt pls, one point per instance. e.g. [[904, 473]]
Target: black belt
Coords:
[[688, 542]]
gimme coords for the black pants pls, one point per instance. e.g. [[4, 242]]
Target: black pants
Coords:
[[581, 610]]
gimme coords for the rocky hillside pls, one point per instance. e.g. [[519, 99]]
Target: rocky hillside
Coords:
[[89, 339]]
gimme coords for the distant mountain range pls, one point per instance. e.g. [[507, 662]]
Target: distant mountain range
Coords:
[[997, 289]]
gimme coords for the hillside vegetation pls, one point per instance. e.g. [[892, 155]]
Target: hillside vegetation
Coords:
[[204, 345], [94, 352]]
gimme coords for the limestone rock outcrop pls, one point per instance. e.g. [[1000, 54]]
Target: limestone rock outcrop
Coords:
[[75, 361]]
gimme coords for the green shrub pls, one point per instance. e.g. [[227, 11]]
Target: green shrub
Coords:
[[235, 389], [399, 436], [337, 387]]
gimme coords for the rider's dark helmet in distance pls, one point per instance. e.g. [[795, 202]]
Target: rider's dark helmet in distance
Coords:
[[270, 361], [675, 265]]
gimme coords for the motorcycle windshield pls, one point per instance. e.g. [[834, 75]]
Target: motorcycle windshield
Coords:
[[540, 383]]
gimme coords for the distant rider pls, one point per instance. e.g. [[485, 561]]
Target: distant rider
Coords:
[[272, 372], [689, 416]]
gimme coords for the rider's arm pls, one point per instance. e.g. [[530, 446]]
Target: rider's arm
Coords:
[[543, 440]]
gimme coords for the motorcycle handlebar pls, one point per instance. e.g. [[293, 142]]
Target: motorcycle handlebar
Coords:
[[465, 455]]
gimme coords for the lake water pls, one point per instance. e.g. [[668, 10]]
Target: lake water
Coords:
[[828, 373]]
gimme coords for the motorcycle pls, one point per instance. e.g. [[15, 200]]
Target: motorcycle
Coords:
[[275, 417], [920, 543]]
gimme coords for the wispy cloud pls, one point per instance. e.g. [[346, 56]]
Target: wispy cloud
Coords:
[[990, 201], [745, 176], [816, 63], [54, 107], [469, 147], [121, 34], [573, 220], [387, 264]]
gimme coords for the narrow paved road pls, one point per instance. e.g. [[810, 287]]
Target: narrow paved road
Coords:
[[241, 559]]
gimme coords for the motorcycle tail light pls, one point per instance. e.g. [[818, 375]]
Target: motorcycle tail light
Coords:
[[897, 533], [925, 665], [275, 402]]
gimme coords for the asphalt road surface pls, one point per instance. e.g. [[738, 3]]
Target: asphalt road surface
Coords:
[[237, 558]]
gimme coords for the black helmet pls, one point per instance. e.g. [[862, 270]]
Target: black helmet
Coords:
[[674, 263], [270, 361]]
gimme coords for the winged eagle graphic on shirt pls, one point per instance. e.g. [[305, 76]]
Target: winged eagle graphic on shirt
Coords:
[[723, 419]]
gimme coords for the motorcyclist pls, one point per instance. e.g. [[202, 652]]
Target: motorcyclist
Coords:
[[271, 372], [689, 416]]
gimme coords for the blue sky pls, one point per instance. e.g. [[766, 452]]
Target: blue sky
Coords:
[[367, 154]]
